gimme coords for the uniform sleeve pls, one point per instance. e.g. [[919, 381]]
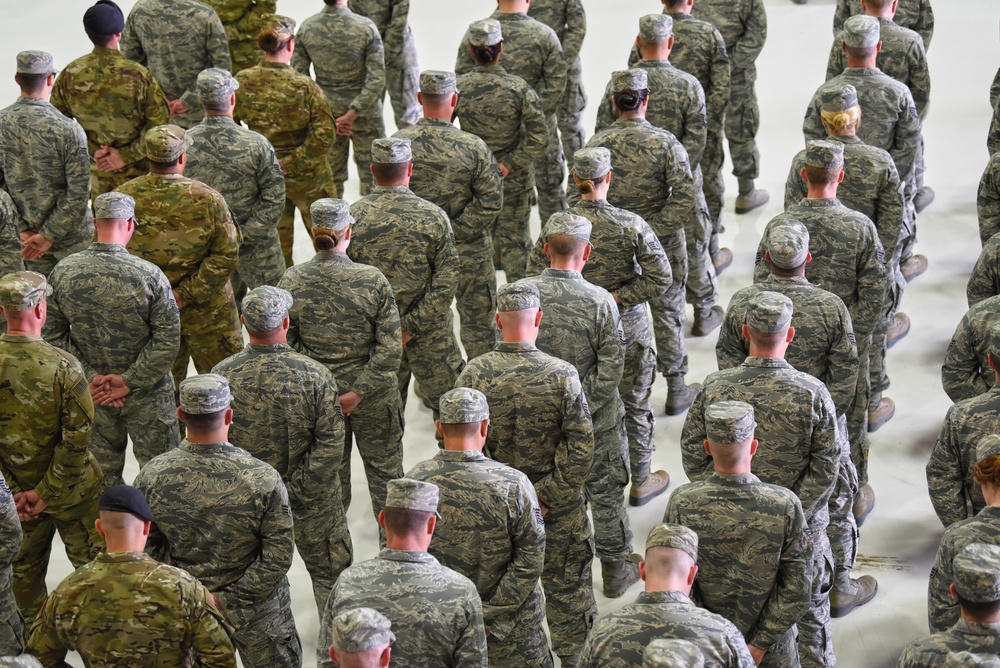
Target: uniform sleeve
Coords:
[[750, 44], [906, 139], [993, 138], [471, 649], [318, 472], [373, 90], [388, 350], [464, 61], [601, 383], [157, 356], [945, 478], [552, 84], [43, 638], [292, 336], [576, 30], [210, 644], [680, 211], [795, 185], [396, 28], [301, 60], [942, 607], [10, 527], [817, 483], [606, 114], [960, 372], [925, 24], [425, 315], [574, 454], [536, 131], [697, 463], [837, 61], [267, 210], [76, 414], [656, 275], [57, 330], [889, 213], [872, 284], [732, 348], [130, 45], [920, 80], [841, 14], [322, 131], [58, 96], [717, 95], [695, 124], [215, 269], [217, 50], [69, 214], [984, 282], [762, 268], [330, 612], [157, 112], [250, 22], [487, 195], [843, 363], [812, 124], [988, 199]]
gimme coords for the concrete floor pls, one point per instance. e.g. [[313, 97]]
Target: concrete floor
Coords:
[[901, 536]]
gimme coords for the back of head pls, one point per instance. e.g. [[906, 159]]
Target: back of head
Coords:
[[103, 21], [671, 552], [769, 315], [204, 400], [976, 570], [787, 244], [361, 637], [409, 506], [33, 71], [824, 163], [331, 220], [517, 304], [729, 428], [567, 235], [861, 36], [486, 39], [275, 33], [391, 160], [20, 293], [437, 91], [630, 88], [655, 31], [264, 310], [462, 411], [591, 166]]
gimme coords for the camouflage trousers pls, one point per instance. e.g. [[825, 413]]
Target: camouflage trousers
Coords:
[[402, 80], [668, 309], [521, 642], [245, 53], [324, 543], [815, 631], [784, 653], [149, 417], [606, 482], [365, 130], [878, 377], [261, 263], [476, 297], [550, 174], [567, 580], [857, 419], [299, 199], [713, 185], [376, 425], [206, 350], [76, 529], [264, 632], [843, 530], [434, 360], [702, 289], [512, 241], [636, 388], [12, 632], [569, 116], [45, 264], [105, 182], [742, 123]]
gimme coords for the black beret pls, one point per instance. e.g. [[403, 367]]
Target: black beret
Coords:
[[104, 18], [125, 499]]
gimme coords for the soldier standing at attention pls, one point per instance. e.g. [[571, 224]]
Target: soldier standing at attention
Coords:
[[966, 371], [176, 39], [10, 243], [361, 638], [917, 15], [44, 458], [491, 531], [241, 165], [410, 241], [186, 229], [114, 312], [343, 315], [44, 167], [290, 110], [114, 99], [223, 516], [241, 20], [125, 607], [286, 413], [346, 55], [12, 635]]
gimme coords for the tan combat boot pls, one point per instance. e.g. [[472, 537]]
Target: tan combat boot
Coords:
[[656, 483], [618, 576]]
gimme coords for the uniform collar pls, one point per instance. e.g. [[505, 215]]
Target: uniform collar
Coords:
[[19, 338], [733, 479], [102, 247], [767, 362], [787, 280], [392, 189], [509, 16], [561, 273], [123, 557], [845, 139], [654, 597], [407, 555], [435, 121], [36, 101], [220, 446], [977, 629], [492, 68], [460, 456], [332, 256], [625, 122], [515, 347], [268, 348], [863, 71], [655, 64], [218, 120], [270, 64], [820, 202]]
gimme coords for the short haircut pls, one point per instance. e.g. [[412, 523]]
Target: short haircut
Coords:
[[161, 166], [435, 98], [405, 522], [978, 609], [31, 83], [879, 4], [215, 103], [98, 40], [630, 100], [485, 55], [822, 176], [859, 53], [204, 421], [766, 339], [389, 171], [672, 4], [265, 334], [464, 430], [662, 561], [565, 246]]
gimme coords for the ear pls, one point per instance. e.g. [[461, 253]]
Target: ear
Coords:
[[496, 319], [381, 518], [951, 588], [180, 416], [242, 321], [440, 430], [228, 420], [99, 526], [586, 252], [708, 448], [840, 179], [809, 257], [286, 323], [371, 168], [767, 257], [692, 575], [409, 169], [145, 528], [420, 98], [548, 254], [454, 99], [878, 47], [431, 523], [383, 661], [843, 46], [670, 43], [790, 335], [991, 361], [802, 174], [638, 42], [753, 447], [484, 427], [538, 318], [333, 655], [642, 570], [350, 230], [746, 332]]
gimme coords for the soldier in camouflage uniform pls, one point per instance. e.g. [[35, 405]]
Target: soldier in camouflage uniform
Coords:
[[410, 241], [672, 653], [241, 20], [533, 52], [491, 531], [984, 281], [44, 167], [437, 612], [976, 583], [186, 229], [176, 39], [555, 449], [223, 516], [114, 312], [457, 171], [10, 243], [402, 73], [504, 111], [988, 198], [984, 527], [46, 413], [344, 316], [626, 260], [664, 610], [286, 413], [291, 111], [124, 608], [582, 326], [361, 637], [966, 371], [115, 101], [241, 165], [22, 661], [12, 631], [916, 15], [345, 52]]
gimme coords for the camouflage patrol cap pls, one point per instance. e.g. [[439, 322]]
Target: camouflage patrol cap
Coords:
[[861, 31], [970, 660], [672, 653], [977, 573], [463, 405], [166, 143], [568, 224], [624, 81], [114, 205], [994, 340], [22, 661], [592, 163], [988, 445], [216, 85], [104, 18], [656, 27], [769, 312], [361, 629], [438, 82], [125, 499], [838, 98], [676, 536], [35, 62], [265, 307], [484, 33], [517, 296], [330, 215], [204, 394], [824, 154], [729, 422], [410, 494], [788, 244], [282, 26], [22, 290], [391, 151]]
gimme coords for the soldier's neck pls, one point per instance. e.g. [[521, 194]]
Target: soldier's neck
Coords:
[[18, 325], [213, 113], [513, 6], [463, 444], [862, 63], [821, 192], [567, 263]]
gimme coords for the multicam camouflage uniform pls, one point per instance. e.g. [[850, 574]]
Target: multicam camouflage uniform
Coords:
[[241, 21], [942, 607], [984, 281], [988, 199], [127, 609], [917, 15], [966, 371], [345, 52], [176, 39], [12, 631]]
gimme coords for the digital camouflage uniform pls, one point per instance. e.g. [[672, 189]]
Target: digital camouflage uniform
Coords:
[[12, 627], [988, 199], [410, 241], [115, 101], [966, 372], [126, 609], [344, 316], [10, 243], [555, 449], [346, 55], [532, 51], [917, 15], [223, 516], [993, 137], [22, 661], [45, 169], [114, 312], [291, 111], [931, 651], [176, 39], [984, 281], [942, 607], [241, 21], [286, 413], [457, 171], [504, 111]]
